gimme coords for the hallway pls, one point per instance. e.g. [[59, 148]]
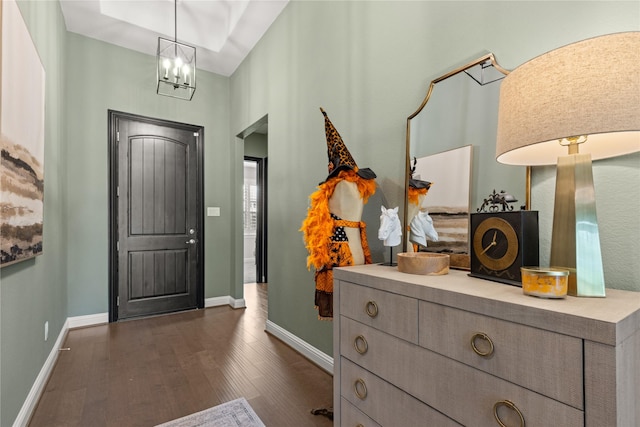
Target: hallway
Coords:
[[149, 371]]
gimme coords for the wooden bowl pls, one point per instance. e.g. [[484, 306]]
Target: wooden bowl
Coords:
[[423, 263]]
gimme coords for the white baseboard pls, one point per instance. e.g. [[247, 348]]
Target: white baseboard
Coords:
[[29, 405], [226, 300], [307, 350], [88, 320]]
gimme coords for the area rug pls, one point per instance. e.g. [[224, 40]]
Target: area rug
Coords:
[[237, 413]]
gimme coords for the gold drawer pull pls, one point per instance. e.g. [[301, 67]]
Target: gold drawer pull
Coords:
[[509, 405], [360, 388], [371, 308], [361, 344], [359, 425], [485, 337]]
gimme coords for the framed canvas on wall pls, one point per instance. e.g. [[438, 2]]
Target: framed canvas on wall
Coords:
[[22, 98]]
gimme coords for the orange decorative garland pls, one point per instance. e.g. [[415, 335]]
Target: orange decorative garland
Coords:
[[318, 226]]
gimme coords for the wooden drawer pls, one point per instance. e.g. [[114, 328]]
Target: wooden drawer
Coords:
[[350, 416], [462, 392], [543, 361], [384, 403], [392, 313]]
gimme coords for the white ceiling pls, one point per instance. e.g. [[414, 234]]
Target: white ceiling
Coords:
[[223, 31]]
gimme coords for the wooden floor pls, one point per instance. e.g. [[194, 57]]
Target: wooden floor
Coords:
[[149, 371]]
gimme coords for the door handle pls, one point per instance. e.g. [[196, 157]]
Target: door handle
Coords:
[[191, 241]]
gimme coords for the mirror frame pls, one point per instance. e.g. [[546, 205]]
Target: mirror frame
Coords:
[[489, 57]]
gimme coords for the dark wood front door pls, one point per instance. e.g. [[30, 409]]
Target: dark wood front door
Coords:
[[156, 216]]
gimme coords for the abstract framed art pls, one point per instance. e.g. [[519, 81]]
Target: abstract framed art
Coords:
[[22, 109]]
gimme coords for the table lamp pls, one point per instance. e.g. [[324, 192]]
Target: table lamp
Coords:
[[569, 106]]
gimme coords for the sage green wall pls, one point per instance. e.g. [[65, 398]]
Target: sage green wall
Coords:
[[33, 292], [103, 77], [255, 145], [369, 64]]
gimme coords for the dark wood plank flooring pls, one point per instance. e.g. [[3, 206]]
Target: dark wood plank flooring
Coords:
[[148, 371]]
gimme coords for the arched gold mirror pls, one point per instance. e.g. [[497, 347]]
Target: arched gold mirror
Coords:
[[451, 143]]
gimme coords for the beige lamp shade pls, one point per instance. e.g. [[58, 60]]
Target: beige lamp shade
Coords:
[[590, 88]]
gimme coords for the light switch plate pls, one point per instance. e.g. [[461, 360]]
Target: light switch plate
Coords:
[[213, 211]]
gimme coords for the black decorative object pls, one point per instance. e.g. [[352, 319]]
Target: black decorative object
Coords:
[[497, 200], [502, 241]]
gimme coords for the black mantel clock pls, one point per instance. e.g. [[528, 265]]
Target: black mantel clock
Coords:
[[502, 241]]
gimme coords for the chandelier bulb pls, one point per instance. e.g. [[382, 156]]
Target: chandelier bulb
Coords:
[[185, 74], [166, 64]]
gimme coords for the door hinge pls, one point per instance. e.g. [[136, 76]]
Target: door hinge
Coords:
[[118, 191], [117, 136], [118, 246], [118, 300]]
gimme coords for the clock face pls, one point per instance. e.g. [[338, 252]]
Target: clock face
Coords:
[[495, 244]]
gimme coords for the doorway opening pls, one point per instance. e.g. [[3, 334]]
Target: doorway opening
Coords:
[[254, 202], [253, 221]]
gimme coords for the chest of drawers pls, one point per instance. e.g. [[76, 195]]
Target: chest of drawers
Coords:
[[454, 350]]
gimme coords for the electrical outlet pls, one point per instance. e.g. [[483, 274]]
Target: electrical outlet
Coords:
[[46, 330]]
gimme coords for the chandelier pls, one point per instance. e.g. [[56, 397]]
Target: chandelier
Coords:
[[176, 66]]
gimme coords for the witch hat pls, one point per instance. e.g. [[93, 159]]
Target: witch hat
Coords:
[[339, 157], [417, 183]]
